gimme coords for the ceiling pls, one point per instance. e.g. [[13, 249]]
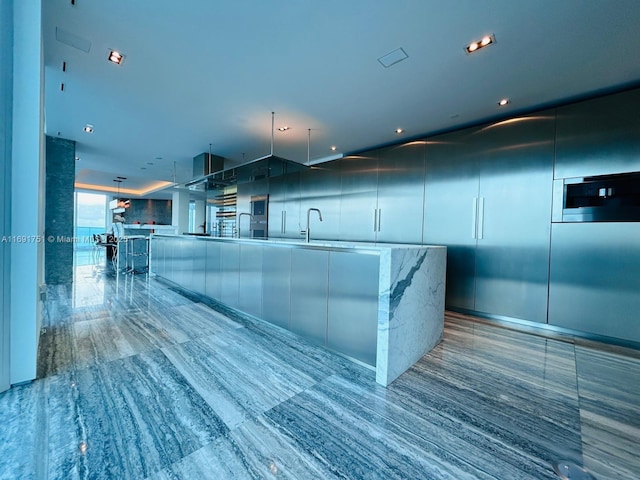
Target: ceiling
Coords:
[[204, 74]]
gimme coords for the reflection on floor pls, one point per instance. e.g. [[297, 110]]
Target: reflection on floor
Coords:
[[137, 381]]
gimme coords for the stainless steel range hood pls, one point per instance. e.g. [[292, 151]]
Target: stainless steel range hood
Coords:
[[263, 167], [266, 167]]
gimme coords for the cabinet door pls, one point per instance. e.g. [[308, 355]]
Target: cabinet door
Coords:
[[450, 213], [229, 279], [156, 261], [515, 160], [291, 217], [250, 280], [309, 279], [320, 188], [162, 246], [213, 275], [182, 263], [352, 319], [401, 193], [595, 278], [169, 261], [199, 262], [358, 195], [276, 293], [277, 189], [599, 136]]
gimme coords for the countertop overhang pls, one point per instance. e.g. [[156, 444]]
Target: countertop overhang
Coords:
[[334, 245]]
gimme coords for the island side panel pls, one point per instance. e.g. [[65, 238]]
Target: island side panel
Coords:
[[411, 308]]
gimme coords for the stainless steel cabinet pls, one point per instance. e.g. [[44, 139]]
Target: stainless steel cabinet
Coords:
[[449, 211], [182, 263], [352, 317], [213, 274], [229, 275], [197, 279], [309, 279], [284, 206], [156, 260], [401, 193], [515, 162], [488, 199], [276, 288], [168, 259], [599, 136], [320, 188], [381, 195], [275, 212], [250, 280], [359, 197], [595, 278]]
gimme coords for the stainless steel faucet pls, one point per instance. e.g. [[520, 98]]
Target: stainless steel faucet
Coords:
[[307, 238], [239, 217]]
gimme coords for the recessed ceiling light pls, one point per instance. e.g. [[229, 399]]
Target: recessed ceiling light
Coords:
[[399, 130], [115, 57], [77, 159], [283, 129], [478, 44], [150, 163], [333, 148], [88, 128], [143, 168], [503, 102]]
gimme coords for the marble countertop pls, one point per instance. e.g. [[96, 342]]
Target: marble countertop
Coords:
[[333, 244]]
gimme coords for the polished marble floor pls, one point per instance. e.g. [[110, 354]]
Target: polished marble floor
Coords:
[[138, 381]]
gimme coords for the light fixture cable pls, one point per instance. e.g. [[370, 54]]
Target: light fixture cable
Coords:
[[273, 116]]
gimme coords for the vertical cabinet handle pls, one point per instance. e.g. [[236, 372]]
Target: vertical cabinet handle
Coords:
[[283, 222], [474, 219], [375, 220], [379, 219], [481, 218]]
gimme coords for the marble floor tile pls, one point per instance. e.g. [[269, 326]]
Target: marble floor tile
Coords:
[[238, 377], [116, 336], [56, 350], [139, 415], [365, 431], [188, 322], [136, 380], [40, 436], [255, 450], [610, 412]]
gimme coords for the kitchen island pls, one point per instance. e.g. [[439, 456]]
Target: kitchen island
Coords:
[[379, 304]]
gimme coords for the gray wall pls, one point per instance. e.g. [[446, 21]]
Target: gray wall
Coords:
[[6, 117], [27, 183], [502, 175], [146, 211], [60, 168]]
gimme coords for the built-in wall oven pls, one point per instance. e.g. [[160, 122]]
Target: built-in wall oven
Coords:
[[602, 198]]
